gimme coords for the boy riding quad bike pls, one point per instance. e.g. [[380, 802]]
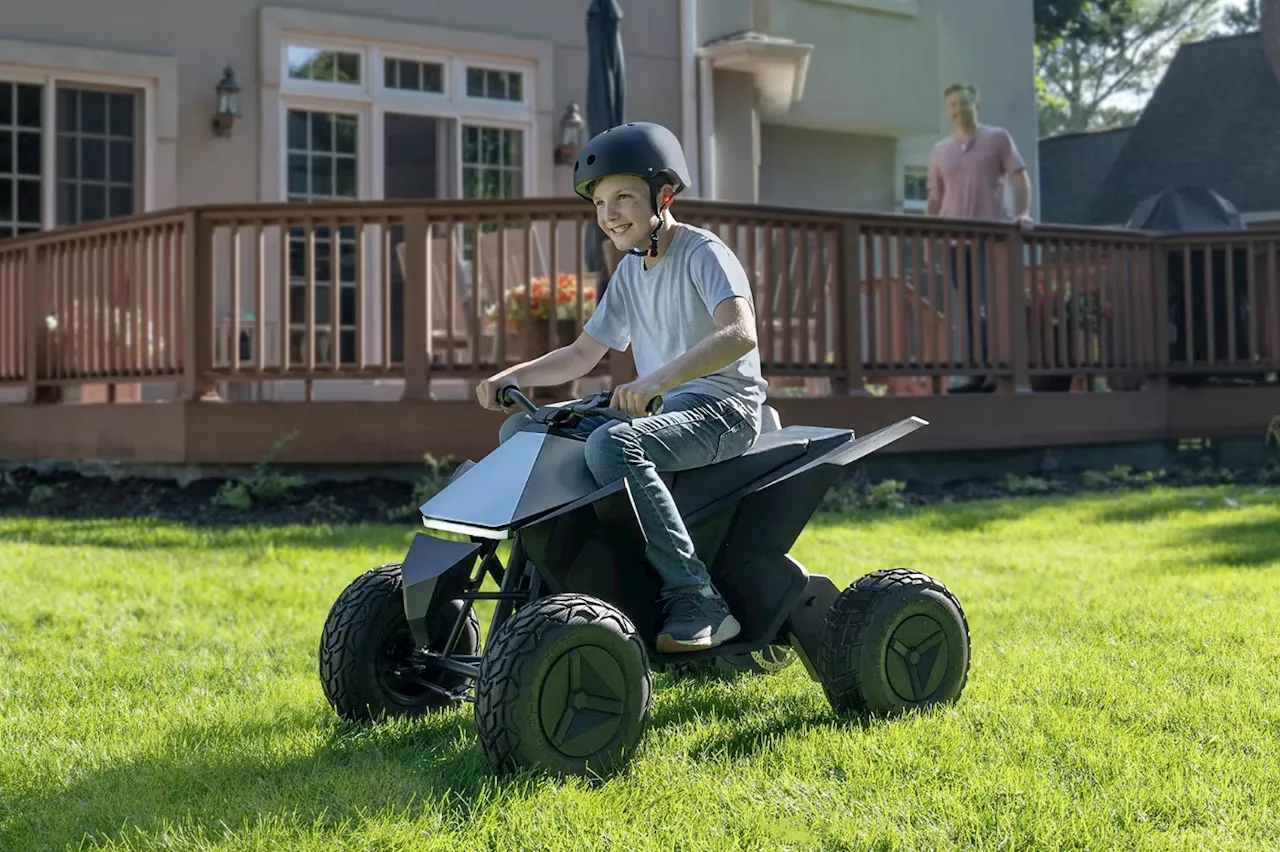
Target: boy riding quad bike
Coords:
[[649, 525]]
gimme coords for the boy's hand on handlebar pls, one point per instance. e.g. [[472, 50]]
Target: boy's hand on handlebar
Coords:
[[633, 397], [487, 393]]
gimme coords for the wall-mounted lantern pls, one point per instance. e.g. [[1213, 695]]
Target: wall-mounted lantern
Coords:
[[228, 111], [572, 127]]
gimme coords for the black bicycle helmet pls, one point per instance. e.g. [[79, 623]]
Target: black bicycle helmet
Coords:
[[641, 148]]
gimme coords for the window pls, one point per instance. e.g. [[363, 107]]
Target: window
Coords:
[[21, 170], [323, 66], [364, 122], [96, 154], [492, 162], [915, 189], [94, 169], [412, 76], [495, 85], [322, 151]]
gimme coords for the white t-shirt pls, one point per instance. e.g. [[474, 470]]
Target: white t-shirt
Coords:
[[665, 311]]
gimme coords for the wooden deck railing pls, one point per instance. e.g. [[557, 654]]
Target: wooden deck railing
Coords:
[[416, 292]]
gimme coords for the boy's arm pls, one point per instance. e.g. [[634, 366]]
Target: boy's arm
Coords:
[[554, 368], [734, 337]]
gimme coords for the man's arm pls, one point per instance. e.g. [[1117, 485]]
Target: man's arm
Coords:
[[934, 205], [1021, 183]]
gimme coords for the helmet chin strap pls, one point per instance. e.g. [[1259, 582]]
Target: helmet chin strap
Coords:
[[652, 251]]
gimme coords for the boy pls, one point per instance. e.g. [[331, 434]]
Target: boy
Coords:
[[681, 299]]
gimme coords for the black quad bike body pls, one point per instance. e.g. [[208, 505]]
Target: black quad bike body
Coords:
[[564, 681]]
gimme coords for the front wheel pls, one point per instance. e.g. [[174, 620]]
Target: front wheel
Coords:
[[893, 641], [367, 668], [564, 687]]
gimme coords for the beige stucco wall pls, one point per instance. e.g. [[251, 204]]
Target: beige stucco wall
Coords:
[[194, 40], [834, 171]]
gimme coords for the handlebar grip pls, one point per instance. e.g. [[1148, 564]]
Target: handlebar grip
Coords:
[[654, 406]]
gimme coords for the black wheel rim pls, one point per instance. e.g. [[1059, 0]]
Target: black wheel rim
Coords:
[[583, 701], [397, 673], [917, 659]]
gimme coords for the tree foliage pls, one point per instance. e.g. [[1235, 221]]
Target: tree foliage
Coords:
[[1246, 19], [1097, 60]]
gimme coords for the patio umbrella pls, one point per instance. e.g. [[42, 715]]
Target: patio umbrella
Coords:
[[606, 92], [606, 68]]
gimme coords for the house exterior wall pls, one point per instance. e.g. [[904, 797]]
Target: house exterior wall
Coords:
[[877, 72], [176, 51]]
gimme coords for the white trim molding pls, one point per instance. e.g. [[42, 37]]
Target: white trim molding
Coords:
[[155, 76], [780, 67], [375, 40], [903, 8]]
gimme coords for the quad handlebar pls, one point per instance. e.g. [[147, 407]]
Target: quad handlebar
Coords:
[[596, 404]]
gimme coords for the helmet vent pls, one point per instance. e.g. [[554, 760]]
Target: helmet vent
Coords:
[[591, 158]]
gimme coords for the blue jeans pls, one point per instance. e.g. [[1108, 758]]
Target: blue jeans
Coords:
[[692, 431]]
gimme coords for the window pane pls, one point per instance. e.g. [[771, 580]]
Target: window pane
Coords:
[[346, 177], [6, 151], [29, 201], [121, 161], [93, 159], [29, 153], [68, 202], [30, 106], [121, 122], [475, 83], [93, 202], [389, 76], [321, 131], [432, 77], [347, 305], [68, 110], [93, 112], [121, 201], [8, 212], [348, 68], [324, 66], [68, 157], [298, 185], [322, 175], [297, 129], [344, 133], [7, 104]]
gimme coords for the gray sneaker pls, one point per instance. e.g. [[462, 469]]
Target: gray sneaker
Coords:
[[694, 622]]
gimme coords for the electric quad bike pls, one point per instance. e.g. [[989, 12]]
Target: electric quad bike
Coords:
[[564, 680]]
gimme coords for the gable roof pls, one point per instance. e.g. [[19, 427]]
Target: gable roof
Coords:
[[1213, 121], [1072, 168]]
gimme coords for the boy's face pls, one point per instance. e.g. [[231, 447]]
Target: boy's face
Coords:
[[623, 211]]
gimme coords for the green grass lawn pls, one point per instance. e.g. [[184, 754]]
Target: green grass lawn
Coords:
[[158, 690]]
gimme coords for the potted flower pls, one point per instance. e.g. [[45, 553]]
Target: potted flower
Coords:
[[534, 303]]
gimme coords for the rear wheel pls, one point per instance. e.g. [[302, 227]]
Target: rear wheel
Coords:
[[893, 641], [367, 668]]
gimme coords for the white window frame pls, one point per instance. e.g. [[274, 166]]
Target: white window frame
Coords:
[[911, 205], [49, 80], [371, 100]]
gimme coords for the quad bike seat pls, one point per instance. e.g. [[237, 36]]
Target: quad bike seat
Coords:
[[775, 448]]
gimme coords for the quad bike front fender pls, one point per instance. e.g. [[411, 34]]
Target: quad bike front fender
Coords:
[[433, 571]]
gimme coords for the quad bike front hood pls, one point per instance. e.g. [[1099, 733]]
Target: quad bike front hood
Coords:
[[532, 473]]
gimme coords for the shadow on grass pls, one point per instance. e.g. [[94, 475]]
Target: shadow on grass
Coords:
[[1242, 542], [354, 771], [147, 534], [215, 779]]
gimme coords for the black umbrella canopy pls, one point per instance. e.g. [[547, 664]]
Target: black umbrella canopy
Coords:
[[1185, 208], [606, 69]]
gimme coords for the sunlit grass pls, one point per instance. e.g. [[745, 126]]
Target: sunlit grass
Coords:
[[158, 690]]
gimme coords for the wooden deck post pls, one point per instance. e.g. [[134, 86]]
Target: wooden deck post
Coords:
[[849, 304], [417, 379], [1016, 277], [197, 310]]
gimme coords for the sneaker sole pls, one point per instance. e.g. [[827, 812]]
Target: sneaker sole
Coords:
[[729, 628]]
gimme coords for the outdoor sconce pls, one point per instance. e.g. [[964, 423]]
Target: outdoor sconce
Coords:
[[571, 127], [228, 103]]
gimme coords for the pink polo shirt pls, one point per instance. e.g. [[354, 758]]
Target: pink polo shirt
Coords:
[[970, 175]]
